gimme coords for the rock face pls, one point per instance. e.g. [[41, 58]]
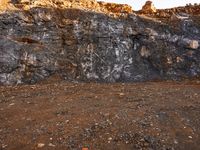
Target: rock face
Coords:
[[82, 43]]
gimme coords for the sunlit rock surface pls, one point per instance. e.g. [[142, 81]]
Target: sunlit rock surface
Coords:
[[148, 8], [81, 41]]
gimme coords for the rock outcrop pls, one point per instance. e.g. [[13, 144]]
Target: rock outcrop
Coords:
[[80, 41], [115, 8], [165, 13], [148, 8]]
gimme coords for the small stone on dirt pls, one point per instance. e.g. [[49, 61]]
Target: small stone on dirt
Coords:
[[40, 145], [11, 104], [121, 94], [109, 139], [4, 146], [190, 137], [51, 145]]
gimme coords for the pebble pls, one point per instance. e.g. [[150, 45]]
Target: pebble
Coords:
[[11, 104], [190, 137], [175, 142], [4, 146], [67, 121], [51, 145], [121, 94], [109, 139], [40, 145]]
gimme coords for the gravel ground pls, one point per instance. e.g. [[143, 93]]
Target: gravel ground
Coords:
[[117, 116]]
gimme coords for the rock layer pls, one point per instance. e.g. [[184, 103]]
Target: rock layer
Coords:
[[80, 43]]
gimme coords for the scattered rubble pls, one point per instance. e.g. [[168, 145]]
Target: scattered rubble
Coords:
[[127, 116]]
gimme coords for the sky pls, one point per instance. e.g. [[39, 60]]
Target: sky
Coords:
[[137, 4]]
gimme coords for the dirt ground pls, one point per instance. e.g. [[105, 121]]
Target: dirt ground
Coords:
[[100, 116]]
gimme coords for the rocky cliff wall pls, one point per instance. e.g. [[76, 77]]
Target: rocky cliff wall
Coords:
[[86, 44]]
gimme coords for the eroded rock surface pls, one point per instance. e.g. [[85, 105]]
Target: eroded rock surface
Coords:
[[82, 42]]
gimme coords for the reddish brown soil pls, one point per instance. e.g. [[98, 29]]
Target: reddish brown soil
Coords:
[[65, 116]]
